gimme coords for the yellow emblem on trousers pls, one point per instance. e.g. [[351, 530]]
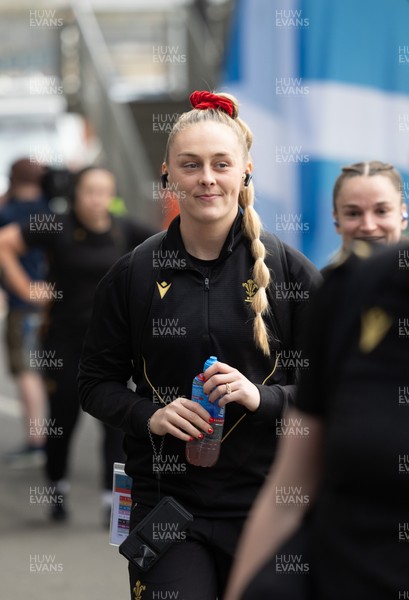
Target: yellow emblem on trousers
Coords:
[[138, 589]]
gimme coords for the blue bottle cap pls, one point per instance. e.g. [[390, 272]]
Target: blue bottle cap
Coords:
[[210, 361]]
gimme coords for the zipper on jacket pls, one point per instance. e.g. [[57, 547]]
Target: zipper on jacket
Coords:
[[206, 305]]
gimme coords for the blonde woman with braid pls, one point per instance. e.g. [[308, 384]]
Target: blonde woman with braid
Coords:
[[210, 285]]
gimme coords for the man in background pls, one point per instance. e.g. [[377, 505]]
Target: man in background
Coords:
[[24, 200]]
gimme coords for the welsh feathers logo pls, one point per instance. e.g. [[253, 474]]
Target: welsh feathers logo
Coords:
[[251, 288]]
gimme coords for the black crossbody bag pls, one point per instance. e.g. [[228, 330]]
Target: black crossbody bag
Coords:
[[162, 527]]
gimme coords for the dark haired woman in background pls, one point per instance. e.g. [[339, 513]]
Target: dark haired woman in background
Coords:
[[81, 246]]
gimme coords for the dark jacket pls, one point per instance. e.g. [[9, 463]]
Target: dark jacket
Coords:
[[34, 261], [159, 325], [358, 388], [78, 258]]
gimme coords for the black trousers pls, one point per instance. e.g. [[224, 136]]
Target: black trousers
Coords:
[[61, 379], [194, 569]]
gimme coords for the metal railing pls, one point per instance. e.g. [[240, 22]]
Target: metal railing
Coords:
[[123, 146], [115, 96]]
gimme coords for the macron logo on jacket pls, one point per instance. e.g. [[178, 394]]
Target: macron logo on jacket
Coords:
[[163, 288]]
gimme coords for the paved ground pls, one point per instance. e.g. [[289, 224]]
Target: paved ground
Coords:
[[74, 560]]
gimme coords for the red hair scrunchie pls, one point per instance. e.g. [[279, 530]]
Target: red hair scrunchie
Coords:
[[204, 100]]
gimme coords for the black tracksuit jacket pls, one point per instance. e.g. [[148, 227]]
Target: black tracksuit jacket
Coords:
[[158, 326]]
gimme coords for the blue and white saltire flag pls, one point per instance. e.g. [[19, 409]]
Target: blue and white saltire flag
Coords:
[[322, 84]]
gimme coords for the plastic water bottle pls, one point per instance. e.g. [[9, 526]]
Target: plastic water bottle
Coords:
[[205, 452]]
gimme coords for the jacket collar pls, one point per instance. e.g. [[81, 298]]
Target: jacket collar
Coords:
[[173, 239]]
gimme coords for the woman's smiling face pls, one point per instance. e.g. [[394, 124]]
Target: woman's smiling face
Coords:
[[369, 208], [206, 170]]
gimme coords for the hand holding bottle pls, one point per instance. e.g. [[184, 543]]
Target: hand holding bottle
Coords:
[[228, 384], [181, 418]]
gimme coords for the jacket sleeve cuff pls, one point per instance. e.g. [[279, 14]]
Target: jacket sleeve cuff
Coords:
[[140, 416], [274, 400]]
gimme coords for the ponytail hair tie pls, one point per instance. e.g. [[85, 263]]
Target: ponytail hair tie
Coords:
[[206, 100]]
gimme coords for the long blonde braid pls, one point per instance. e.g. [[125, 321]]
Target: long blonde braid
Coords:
[[261, 275], [252, 227]]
